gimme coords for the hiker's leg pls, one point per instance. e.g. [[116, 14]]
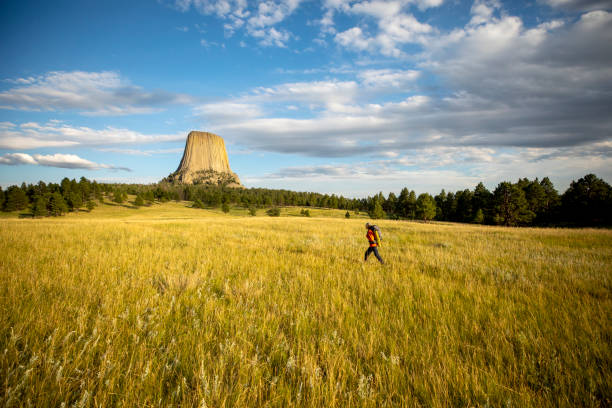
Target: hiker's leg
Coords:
[[367, 253], [377, 255]]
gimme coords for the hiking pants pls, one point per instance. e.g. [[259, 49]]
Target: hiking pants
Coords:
[[375, 250]]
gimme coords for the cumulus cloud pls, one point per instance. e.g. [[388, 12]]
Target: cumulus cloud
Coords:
[[258, 21], [65, 161], [395, 28], [91, 93], [33, 135], [582, 5], [547, 86]]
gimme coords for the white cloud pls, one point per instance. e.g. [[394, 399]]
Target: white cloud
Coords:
[[13, 159], [57, 134], [66, 161], [388, 78], [584, 5], [92, 93], [258, 22]]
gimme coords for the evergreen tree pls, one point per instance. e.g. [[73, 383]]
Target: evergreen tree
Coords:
[[252, 211], [90, 205], [481, 200], [411, 208], [425, 207], [39, 208], [225, 208], [588, 201], [1, 198], [440, 199], [479, 217], [16, 199], [377, 210], [273, 212], [75, 201], [197, 203], [464, 211], [57, 206], [511, 207], [347, 215], [390, 204], [118, 197], [139, 202]]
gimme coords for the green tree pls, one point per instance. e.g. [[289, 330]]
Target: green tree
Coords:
[[479, 217], [225, 208], [390, 204], [138, 202], [588, 201], [411, 205], [347, 215], [197, 203], [39, 208], [481, 200], [511, 207], [90, 205], [16, 199], [377, 211], [273, 212], [57, 205], [75, 201], [252, 211], [118, 197], [425, 207]]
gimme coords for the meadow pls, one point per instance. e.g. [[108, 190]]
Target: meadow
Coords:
[[173, 306]]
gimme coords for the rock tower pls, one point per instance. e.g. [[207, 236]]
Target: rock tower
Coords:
[[204, 162]]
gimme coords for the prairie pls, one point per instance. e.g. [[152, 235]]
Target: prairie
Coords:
[[173, 306]]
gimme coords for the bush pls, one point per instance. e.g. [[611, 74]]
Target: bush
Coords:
[[252, 211], [197, 204], [305, 213], [273, 212], [347, 215], [225, 208]]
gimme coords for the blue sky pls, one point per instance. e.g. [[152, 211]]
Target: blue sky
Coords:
[[334, 96]]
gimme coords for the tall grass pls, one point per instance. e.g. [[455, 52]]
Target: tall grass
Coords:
[[171, 306]]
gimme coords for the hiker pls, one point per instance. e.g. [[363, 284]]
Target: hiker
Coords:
[[373, 237]]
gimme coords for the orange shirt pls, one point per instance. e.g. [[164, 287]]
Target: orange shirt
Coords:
[[371, 238]]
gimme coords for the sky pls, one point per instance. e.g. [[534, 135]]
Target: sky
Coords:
[[335, 96]]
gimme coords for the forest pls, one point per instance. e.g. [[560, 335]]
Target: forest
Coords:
[[587, 201]]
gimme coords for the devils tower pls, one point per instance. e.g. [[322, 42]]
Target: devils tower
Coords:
[[204, 162]]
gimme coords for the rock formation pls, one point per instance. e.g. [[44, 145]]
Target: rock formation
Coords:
[[204, 162]]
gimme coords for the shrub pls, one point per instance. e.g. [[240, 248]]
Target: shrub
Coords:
[[273, 212]]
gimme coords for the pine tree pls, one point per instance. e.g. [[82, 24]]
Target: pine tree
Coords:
[[39, 208], [75, 201], [118, 197], [138, 202], [377, 211], [57, 206], [425, 207], [347, 215], [225, 208], [90, 205], [16, 199], [511, 207], [252, 211]]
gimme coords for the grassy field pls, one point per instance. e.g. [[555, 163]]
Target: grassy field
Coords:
[[172, 306]]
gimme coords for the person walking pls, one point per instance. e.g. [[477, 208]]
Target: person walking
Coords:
[[372, 239]]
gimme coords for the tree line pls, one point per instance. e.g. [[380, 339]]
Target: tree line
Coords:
[[587, 201]]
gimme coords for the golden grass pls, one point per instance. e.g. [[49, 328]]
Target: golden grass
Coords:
[[168, 305]]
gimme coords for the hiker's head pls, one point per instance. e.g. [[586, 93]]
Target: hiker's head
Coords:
[[368, 225]]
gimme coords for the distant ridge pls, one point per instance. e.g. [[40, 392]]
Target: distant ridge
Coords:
[[204, 161]]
